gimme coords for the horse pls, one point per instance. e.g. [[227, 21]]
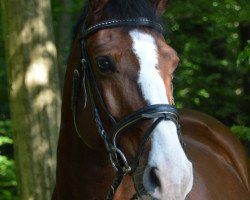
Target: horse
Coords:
[[121, 136]]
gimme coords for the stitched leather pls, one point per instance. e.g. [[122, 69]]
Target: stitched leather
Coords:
[[138, 22]]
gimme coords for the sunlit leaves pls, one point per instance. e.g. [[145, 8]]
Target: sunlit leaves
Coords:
[[242, 132], [206, 35], [244, 56], [7, 167]]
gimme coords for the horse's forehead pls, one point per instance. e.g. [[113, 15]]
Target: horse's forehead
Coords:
[[106, 38], [119, 38]]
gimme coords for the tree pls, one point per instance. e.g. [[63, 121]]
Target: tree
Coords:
[[34, 93], [209, 36]]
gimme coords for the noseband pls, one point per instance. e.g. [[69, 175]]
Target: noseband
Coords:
[[156, 112]]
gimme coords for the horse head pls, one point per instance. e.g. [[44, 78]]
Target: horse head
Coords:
[[126, 71]]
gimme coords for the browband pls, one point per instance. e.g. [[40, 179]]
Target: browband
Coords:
[[121, 23]]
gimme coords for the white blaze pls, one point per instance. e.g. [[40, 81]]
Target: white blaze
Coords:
[[174, 169]]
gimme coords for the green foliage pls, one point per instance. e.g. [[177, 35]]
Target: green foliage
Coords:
[[5, 128], [244, 56], [241, 132], [5, 140], [4, 97], [71, 9], [7, 176], [8, 185], [209, 37]]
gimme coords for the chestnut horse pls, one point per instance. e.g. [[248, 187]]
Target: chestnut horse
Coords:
[[120, 135]]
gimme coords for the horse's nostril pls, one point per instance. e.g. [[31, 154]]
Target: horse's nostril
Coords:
[[154, 180]]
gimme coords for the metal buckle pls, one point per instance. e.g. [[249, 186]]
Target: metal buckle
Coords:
[[124, 167]]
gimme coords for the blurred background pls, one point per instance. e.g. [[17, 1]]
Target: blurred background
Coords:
[[212, 39]]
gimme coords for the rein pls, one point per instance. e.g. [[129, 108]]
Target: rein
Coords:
[[156, 112]]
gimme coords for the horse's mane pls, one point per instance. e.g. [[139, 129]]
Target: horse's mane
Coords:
[[122, 9]]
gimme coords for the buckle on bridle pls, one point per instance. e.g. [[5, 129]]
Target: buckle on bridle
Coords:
[[123, 167]]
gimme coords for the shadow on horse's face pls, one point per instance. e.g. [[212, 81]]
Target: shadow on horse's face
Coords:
[[133, 69]]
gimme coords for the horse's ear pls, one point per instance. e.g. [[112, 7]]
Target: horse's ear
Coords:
[[97, 5], [160, 6]]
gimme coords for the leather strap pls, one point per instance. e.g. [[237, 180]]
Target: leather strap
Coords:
[[150, 112], [138, 22]]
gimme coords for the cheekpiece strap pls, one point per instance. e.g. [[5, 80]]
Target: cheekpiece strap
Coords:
[[137, 22]]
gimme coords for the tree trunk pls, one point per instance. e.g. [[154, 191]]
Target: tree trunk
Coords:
[[34, 94]]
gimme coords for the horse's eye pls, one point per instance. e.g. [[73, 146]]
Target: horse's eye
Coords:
[[105, 64]]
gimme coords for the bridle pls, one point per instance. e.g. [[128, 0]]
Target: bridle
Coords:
[[157, 112]]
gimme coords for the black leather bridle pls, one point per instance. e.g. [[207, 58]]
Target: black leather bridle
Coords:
[[157, 112]]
